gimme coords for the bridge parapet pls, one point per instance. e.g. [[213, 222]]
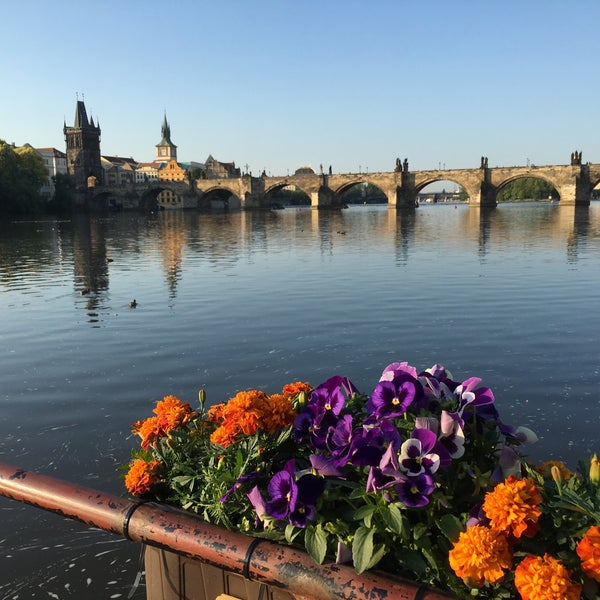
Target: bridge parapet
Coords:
[[574, 184]]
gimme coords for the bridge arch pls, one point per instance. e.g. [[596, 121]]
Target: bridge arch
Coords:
[[471, 188], [270, 190], [386, 183], [368, 187], [220, 197], [292, 193], [503, 185]]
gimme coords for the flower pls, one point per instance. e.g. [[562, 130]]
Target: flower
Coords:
[[142, 475], [395, 475], [513, 506], [545, 578], [480, 555], [595, 470], [588, 550], [171, 414], [248, 412]]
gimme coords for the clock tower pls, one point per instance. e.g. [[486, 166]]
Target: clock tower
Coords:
[[166, 150]]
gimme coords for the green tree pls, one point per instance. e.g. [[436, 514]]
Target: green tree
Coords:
[[22, 174]]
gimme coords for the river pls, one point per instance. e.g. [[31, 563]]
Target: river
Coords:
[[244, 300]]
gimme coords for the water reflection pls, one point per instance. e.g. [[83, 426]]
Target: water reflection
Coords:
[[255, 299], [91, 248]]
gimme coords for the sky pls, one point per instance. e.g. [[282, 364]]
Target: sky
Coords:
[[275, 84]]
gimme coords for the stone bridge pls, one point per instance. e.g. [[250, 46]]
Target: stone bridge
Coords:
[[573, 183]]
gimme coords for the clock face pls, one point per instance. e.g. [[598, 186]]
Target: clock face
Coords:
[[163, 151]]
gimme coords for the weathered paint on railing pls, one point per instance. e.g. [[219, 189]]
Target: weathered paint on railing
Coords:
[[172, 529]]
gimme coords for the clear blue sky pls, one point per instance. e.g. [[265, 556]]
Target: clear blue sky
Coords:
[[276, 84]]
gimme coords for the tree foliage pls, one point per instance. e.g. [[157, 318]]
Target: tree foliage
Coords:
[[527, 188], [22, 174]]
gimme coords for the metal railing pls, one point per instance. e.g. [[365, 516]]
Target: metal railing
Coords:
[[175, 530]]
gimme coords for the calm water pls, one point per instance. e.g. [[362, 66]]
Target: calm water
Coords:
[[233, 301]]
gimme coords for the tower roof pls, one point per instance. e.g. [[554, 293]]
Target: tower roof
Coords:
[[165, 132], [81, 118]]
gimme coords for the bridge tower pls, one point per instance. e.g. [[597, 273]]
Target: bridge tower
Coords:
[[83, 148], [166, 150]]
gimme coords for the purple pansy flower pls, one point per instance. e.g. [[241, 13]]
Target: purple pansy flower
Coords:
[[322, 411], [283, 492], [437, 384], [415, 491], [416, 456], [392, 370], [469, 395], [310, 487], [370, 442], [449, 430]]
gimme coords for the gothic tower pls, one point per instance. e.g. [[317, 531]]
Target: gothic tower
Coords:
[[166, 150], [83, 148]]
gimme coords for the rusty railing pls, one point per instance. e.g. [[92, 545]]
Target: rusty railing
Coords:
[[165, 527]]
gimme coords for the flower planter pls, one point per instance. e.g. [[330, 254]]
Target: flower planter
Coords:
[[170, 576]]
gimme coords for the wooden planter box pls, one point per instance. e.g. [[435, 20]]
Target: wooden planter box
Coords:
[[170, 576]]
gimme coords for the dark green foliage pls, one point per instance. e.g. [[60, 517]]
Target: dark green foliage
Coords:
[[22, 174], [527, 188]]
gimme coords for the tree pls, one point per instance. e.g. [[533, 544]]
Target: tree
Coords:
[[22, 174]]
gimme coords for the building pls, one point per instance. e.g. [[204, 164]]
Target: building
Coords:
[[83, 149], [166, 150], [304, 170], [215, 169], [172, 171], [147, 171], [118, 170], [56, 162]]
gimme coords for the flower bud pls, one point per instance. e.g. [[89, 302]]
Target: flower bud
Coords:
[[555, 472], [595, 469]]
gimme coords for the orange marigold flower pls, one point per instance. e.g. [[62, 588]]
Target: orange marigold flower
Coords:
[[141, 476], [513, 506], [223, 436], [280, 413], [148, 429], [172, 413], [215, 413], [481, 554], [248, 412], [545, 578], [291, 389], [588, 550]]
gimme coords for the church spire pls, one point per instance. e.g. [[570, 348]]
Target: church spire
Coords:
[[165, 131], [166, 150]]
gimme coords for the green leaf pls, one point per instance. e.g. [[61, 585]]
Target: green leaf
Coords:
[[362, 548], [315, 541], [450, 526], [393, 518], [412, 560], [378, 554], [364, 513], [419, 530]]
